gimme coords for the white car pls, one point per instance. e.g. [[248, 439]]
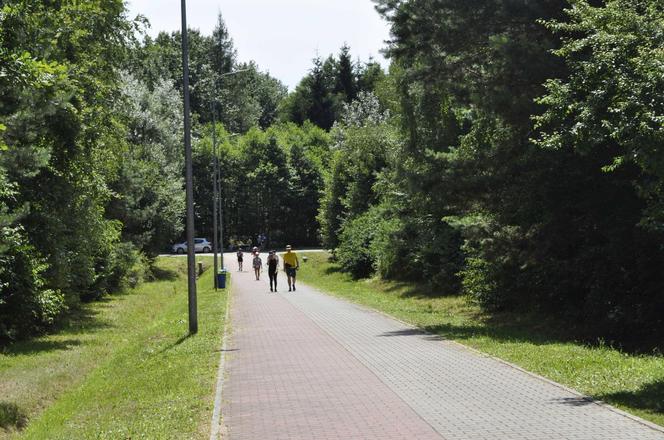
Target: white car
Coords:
[[200, 245]]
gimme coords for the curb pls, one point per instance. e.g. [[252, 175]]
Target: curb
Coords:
[[216, 431]]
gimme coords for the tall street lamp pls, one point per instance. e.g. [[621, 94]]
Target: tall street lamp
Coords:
[[215, 178], [191, 258], [217, 222]]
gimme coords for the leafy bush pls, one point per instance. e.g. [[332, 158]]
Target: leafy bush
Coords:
[[355, 253], [128, 268], [26, 305], [417, 249], [390, 246]]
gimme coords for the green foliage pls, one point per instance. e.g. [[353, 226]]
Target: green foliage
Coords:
[[12, 416], [148, 190], [270, 183], [364, 144], [91, 162], [26, 305], [320, 96], [244, 100], [61, 144], [355, 253], [610, 100], [130, 267], [470, 203]]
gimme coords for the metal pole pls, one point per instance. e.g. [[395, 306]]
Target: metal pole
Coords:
[[221, 216], [191, 257], [215, 233]]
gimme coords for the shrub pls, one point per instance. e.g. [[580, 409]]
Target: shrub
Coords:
[[418, 249], [26, 306], [390, 246], [355, 253], [129, 267], [124, 267]]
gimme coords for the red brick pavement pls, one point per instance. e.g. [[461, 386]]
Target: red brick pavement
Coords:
[[288, 379]]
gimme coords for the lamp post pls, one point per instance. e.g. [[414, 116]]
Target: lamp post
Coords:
[[191, 258], [215, 199], [218, 220]]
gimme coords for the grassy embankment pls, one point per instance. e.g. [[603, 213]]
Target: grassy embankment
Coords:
[[634, 383], [123, 367]]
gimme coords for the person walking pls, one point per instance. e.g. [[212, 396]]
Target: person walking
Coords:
[[291, 265], [258, 265], [272, 267], [240, 258]]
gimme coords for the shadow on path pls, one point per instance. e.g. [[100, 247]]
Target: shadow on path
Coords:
[[412, 332]]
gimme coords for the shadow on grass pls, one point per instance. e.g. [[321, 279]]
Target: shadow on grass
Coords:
[[650, 397], [78, 322], [407, 289], [38, 346], [162, 274], [12, 416], [171, 346], [539, 330], [504, 329], [333, 269], [86, 319]]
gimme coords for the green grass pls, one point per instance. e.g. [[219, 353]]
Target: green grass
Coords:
[[123, 368], [634, 383]]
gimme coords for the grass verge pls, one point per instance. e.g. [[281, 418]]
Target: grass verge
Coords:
[[634, 383], [123, 368]]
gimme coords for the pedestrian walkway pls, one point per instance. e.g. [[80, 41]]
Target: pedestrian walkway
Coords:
[[304, 365]]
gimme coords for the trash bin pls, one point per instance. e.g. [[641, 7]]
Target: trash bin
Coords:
[[221, 279]]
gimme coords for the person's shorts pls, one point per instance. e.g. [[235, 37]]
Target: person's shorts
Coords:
[[290, 272], [239, 260]]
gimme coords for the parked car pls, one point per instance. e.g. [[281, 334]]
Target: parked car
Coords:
[[200, 245]]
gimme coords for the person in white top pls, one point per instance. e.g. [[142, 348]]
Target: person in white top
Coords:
[[258, 265]]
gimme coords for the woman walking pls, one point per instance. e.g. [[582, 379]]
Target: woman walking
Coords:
[[258, 265], [272, 267], [240, 258]]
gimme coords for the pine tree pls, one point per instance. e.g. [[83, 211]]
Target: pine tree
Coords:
[[223, 55], [346, 79]]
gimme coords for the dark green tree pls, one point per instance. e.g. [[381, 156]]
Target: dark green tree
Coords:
[[223, 55], [346, 77]]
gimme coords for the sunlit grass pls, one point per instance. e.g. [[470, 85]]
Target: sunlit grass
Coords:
[[125, 368], [634, 383]]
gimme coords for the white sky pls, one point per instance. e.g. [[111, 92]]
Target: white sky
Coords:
[[282, 36]]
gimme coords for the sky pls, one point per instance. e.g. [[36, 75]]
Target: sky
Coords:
[[282, 36]]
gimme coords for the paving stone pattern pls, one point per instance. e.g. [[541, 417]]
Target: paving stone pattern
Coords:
[[463, 394], [288, 379], [304, 365]]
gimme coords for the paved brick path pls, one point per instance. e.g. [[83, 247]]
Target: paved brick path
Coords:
[[308, 366], [288, 379]]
